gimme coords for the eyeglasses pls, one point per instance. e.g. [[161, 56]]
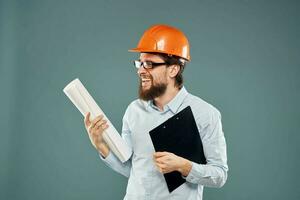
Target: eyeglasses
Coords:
[[147, 64]]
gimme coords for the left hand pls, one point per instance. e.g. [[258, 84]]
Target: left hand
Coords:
[[168, 162]]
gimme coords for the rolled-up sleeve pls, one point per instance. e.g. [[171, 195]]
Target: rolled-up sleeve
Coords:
[[214, 173]]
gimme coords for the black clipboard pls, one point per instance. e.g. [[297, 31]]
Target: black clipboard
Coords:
[[179, 135]]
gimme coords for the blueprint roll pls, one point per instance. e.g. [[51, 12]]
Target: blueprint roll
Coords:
[[85, 103]]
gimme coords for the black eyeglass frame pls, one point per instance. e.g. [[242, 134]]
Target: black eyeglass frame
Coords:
[[149, 64]]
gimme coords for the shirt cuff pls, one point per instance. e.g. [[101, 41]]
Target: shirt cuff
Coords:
[[195, 173], [110, 158]]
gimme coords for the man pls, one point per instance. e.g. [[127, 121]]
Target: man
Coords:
[[164, 51]]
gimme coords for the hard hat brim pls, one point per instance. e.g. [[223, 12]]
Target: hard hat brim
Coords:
[[142, 50]]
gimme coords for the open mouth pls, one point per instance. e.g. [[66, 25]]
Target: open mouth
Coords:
[[146, 81]]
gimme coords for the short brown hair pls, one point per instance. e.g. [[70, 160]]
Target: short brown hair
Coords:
[[175, 60]]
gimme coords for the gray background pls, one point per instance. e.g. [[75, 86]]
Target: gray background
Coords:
[[245, 61]]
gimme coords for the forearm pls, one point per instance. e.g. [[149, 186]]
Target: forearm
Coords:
[[207, 175], [103, 149], [110, 159], [114, 163], [214, 172]]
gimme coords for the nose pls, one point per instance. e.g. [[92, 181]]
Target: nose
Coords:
[[141, 70]]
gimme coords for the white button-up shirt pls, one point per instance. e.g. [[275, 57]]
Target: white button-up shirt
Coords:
[[145, 181]]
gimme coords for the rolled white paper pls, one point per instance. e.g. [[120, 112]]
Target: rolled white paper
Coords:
[[85, 103]]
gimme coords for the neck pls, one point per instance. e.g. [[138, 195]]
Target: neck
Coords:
[[164, 99]]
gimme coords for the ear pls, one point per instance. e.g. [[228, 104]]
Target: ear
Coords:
[[173, 70]]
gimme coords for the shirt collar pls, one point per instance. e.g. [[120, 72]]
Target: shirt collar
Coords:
[[174, 104]]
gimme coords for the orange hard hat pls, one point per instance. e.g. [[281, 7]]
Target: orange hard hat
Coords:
[[164, 39]]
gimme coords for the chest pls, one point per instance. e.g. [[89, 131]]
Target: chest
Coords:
[[140, 125]]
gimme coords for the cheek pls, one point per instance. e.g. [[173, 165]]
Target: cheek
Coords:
[[160, 78]]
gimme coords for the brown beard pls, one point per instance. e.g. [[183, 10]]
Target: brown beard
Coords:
[[153, 92]]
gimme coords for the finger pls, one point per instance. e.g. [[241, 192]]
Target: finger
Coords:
[[158, 167], [92, 129], [161, 167], [95, 121], [103, 128], [96, 131], [101, 123], [164, 168], [99, 117], [159, 154], [162, 159], [87, 119]]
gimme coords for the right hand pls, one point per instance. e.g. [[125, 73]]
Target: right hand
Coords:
[[95, 129]]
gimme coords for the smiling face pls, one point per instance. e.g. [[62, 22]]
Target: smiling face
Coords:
[[153, 82]]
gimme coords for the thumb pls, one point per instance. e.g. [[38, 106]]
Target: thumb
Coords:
[[87, 119]]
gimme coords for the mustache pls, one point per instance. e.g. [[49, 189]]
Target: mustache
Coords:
[[144, 76]]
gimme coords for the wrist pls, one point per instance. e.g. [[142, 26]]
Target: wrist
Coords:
[[103, 149], [185, 167]]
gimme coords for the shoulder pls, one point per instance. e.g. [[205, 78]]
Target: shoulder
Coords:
[[202, 105], [135, 106], [204, 112]]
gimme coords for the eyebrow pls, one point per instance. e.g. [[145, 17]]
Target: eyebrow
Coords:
[[149, 61]]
